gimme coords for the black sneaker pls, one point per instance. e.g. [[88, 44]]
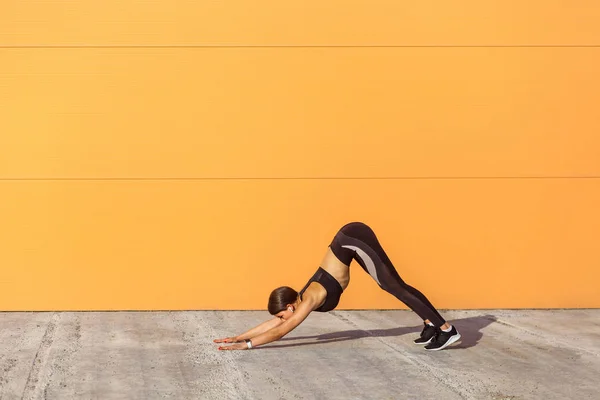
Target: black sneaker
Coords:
[[427, 334], [443, 339]]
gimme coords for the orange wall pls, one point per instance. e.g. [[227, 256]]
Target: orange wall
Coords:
[[195, 155]]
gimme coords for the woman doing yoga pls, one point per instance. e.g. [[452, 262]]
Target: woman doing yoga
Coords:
[[354, 241]]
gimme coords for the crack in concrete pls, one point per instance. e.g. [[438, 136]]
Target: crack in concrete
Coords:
[[33, 384]]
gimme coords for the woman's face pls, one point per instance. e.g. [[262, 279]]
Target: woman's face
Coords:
[[285, 314]]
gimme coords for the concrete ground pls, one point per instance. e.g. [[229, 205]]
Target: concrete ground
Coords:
[[504, 354]]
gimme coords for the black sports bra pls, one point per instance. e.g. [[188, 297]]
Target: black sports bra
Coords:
[[331, 285]]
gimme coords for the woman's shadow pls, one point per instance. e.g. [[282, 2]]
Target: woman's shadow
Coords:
[[469, 328]]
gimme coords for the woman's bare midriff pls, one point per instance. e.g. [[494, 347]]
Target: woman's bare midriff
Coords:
[[337, 269], [340, 271]]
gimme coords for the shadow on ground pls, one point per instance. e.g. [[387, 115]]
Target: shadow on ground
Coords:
[[469, 328]]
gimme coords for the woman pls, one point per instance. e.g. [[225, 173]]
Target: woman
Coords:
[[355, 241]]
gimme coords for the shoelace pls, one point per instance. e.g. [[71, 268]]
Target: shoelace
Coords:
[[439, 332]]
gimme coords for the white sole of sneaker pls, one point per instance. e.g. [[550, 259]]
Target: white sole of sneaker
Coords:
[[424, 343], [448, 343]]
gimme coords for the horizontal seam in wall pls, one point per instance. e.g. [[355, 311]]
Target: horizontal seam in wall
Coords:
[[304, 178], [284, 46]]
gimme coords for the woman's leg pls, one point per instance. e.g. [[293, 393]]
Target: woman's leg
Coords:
[[357, 241]]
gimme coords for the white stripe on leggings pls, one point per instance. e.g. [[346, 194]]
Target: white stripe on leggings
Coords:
[[367, 260]]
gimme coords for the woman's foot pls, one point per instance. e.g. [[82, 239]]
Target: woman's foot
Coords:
[[427, 334], [443, 339]]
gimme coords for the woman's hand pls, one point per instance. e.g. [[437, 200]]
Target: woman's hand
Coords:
[[237, 346], [227, 340]]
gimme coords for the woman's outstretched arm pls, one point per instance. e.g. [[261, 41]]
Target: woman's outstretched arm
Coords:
[[263, 327], [278, 331]]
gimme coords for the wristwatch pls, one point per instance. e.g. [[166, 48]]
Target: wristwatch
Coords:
[[248, 343]]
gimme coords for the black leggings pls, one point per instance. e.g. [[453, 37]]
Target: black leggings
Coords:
[[357, 241]]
